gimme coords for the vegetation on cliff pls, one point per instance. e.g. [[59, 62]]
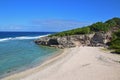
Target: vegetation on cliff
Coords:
[[98, 26], [115, 43], [112, 25], [84, 30]]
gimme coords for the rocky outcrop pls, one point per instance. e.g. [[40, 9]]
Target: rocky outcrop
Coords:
[[96, 39], [100, 39]]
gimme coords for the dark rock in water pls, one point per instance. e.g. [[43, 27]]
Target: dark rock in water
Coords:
[[96, 39]]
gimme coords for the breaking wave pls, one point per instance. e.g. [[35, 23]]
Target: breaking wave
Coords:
[[21, 38]]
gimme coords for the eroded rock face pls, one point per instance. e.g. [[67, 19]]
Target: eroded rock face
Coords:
[[100, 39], [96, 39]]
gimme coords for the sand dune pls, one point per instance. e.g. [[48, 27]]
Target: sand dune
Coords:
[[79, 63]]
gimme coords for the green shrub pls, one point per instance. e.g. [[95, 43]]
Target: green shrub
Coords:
[[114, 21], [117, 51], [115, 43], [99, 26]]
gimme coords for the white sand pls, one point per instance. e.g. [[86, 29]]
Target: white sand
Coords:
[[80, 63]]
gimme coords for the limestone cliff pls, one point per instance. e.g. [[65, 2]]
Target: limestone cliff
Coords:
[[95, 39]]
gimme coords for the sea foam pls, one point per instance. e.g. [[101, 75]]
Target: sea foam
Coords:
[[22, 38]]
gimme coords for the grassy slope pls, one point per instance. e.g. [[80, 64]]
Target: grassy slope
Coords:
[[99, 26]]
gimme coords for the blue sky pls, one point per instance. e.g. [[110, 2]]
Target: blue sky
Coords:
[[54, 15]]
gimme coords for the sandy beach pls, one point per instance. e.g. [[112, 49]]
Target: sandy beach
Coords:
[[79, 63]]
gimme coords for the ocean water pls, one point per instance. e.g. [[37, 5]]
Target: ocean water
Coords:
[[18, 51]]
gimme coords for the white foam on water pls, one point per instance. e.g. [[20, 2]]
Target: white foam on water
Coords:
[[22, 38]]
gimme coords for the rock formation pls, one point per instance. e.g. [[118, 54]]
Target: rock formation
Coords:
[[95, 39]]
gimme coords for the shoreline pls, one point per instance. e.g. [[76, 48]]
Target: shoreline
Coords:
[[79, 63], [21, 74]]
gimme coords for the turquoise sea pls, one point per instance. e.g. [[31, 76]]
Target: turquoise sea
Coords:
[[19, 52]]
